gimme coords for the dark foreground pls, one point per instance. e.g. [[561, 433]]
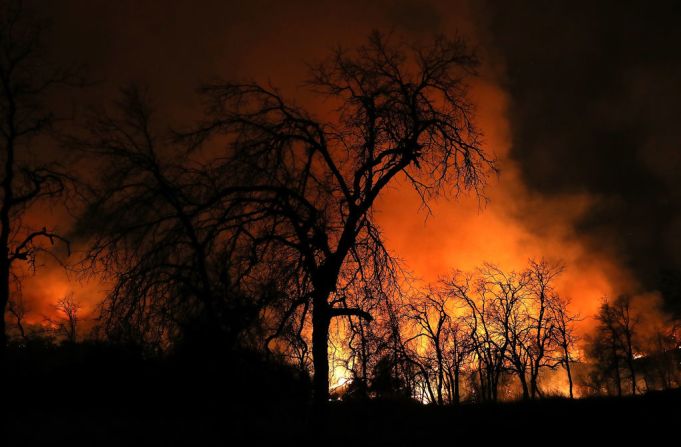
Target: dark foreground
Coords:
[[371, 423], [105, 399]]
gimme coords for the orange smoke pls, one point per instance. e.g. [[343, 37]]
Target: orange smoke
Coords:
[[512, 226]]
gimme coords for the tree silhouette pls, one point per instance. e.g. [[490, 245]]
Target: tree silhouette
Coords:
[[431, 326], [613, 344], [158, 221], [516, 323], [401, 112], [67, 323], [26, 80], [661, 366], [627, 322], [487, 321], [542, 321], [564, 336], [18, 308]]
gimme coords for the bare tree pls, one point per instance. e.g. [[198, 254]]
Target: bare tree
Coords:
[[402, 112], [459, 349], [69, 308], [564, 336], [542, 321], [430, 326], [367, 341], [662, 368], [627, 323], [611, 347], [517, 324], [488, 319], [507, 312], [395, 373], [162, 222], [25, 83], [18, 308]]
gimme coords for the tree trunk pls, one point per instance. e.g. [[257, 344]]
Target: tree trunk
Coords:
[[482, 378], [569, 375], [457, 393], [494, 384], [523, 383], [440, 375], [321, 319], [566, 353], [365, 372], [618, 380], [630, 364], [534, 381]]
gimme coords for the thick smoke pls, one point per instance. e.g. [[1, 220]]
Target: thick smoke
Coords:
[[594, 101]]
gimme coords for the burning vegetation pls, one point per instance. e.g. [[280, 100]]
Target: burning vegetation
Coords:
[[492, 335]]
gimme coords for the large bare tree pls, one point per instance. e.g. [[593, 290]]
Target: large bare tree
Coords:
[[398, 112]]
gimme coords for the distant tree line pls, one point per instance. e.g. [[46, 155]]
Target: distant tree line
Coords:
[[469, 336], [494, 335]]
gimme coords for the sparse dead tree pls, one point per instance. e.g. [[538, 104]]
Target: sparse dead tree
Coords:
[[368, 342], [183, 266], [69, 308], [612, 345], [25, 83], [17, 308], [402, 112], [395, 374], [517, 324], [563, 336], [508, 312], [542, 321], [661, 363], [488, 320], [627, 323], [431, 327], [459, 349]]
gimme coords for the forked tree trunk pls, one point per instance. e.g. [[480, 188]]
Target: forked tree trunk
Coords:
[[523, 384], [534, 387]]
